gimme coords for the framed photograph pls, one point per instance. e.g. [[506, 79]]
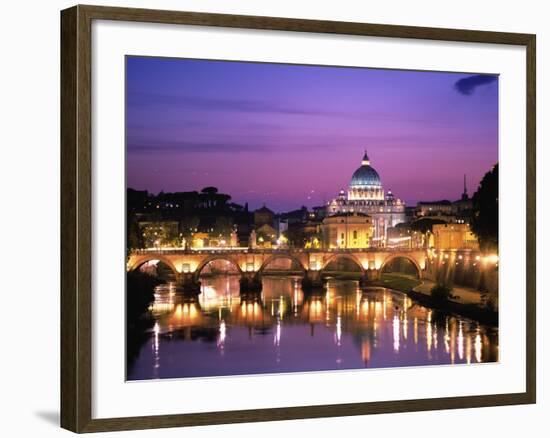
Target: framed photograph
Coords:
[[270, 218]]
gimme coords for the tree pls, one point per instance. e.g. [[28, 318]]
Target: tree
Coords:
[[222, 227], [441, 293], [134, 238], [485, 211], [210, 190], [189, 225], [154, 235]]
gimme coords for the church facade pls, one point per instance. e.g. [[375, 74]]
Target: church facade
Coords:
[[366, 195]]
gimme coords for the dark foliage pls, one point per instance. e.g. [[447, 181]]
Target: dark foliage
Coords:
[[441, 293], [485, 211], [134, 238]]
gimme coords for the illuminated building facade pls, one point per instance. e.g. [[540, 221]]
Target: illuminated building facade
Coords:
[[405, 237], [347, 230], [366, 195], [159, 233], [454, 236]]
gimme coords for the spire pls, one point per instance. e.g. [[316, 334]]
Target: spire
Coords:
[[365, 161], [465, 192]]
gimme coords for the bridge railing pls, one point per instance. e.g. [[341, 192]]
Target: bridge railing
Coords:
[[244, 250]]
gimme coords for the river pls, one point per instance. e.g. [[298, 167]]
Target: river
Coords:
[[284, 330]]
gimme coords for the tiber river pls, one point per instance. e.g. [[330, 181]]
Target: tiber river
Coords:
[[284, 330]]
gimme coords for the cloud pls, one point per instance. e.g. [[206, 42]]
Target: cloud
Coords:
[[221, 104], [184, 146], [468, 85], [268, 145], [166, 102]]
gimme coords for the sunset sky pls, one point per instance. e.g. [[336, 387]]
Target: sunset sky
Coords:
[[288, 135]]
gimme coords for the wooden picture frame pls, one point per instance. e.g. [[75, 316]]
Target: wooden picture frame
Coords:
[[76, 217]]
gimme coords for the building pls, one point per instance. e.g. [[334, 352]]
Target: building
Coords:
[[454, 236], [320, 212], [266, 236], [405, 237], [311, 234], [207, 211], [200, 240], [282, 228], [366, 195], [161, 233], [295, 216], [293, 224], [263, 216], [459, 211], [347, 230], [436, 209]]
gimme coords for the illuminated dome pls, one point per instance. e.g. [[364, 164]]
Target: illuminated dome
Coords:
[[365, 176], [365, 195]]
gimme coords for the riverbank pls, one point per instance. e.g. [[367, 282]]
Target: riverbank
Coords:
[[402, 283], [464, 301], [460, 295]]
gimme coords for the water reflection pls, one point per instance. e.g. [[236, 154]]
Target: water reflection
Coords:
[[221, 332]]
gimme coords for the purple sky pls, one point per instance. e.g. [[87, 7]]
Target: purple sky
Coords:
[[288, 135]]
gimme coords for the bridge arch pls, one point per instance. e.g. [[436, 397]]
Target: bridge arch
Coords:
[[350, 257], [286, 256], [213, 258], [408, 257], [140, 261]]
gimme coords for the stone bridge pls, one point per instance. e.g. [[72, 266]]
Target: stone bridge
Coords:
[[187, 265]]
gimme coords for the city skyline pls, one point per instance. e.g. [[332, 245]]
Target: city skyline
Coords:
[[287, 135]]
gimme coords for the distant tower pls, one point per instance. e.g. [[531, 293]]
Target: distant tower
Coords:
[[465, 192]]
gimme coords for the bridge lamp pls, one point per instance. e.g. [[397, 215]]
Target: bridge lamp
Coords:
[[185, 268], [250, 267], [493, 258]]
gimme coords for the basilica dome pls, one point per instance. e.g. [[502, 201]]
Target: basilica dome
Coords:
[[365, 195], [365, 176]]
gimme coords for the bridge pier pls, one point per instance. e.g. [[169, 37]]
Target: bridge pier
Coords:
[[189, 284], [250, 282], [368, 277], [312, 281]]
